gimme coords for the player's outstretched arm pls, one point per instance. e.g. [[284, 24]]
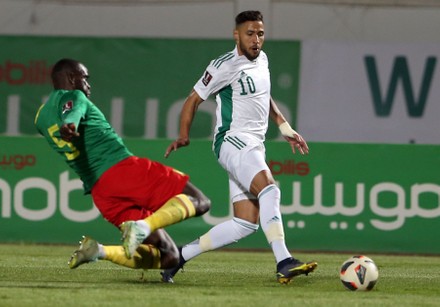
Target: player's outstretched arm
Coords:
[[295, 140], [186, 118]]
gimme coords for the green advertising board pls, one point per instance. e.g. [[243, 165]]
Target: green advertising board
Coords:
[[340, 197], [139, 84]]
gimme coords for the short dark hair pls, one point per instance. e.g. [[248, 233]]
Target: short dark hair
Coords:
[[248, 16], [62, 66]]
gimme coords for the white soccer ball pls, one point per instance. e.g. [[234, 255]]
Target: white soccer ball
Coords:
[[359, 273]]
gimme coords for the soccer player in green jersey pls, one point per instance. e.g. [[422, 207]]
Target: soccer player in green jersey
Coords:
[[240, 79], [135, 194]]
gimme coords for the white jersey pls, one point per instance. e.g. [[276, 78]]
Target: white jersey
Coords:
[[242, 89]]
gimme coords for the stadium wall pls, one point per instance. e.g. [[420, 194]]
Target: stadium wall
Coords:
[[362, 21]]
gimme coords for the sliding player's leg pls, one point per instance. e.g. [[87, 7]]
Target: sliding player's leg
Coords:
[[157, 252]]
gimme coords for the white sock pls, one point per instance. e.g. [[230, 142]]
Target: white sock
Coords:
[[144, 226], [271, 221], [218, 236], [101, 252]]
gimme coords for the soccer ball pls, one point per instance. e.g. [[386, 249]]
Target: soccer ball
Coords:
[[359, 273]]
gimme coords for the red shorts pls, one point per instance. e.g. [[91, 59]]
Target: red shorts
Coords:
[[135, 188]]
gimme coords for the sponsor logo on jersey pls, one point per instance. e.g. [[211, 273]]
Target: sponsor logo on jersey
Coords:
[[67, 106], [207, 78]]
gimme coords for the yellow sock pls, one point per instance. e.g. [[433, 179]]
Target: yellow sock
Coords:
[[146, 257], [149, 256], [176, 209]]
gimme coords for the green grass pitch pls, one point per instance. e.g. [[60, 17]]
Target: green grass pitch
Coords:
[[38, 275]]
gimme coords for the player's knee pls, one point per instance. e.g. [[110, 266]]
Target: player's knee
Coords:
[[202, 204]]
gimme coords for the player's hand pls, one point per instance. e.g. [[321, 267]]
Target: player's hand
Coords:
[[180, 142], [67, 132], [298, 142]]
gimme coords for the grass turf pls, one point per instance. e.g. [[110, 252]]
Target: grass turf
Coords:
[[38, 275]]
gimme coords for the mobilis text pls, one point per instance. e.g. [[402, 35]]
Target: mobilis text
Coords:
[[32, 72], [289, 167]]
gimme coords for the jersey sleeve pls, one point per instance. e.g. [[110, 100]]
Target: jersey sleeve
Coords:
[[74, 107], [212, 81]]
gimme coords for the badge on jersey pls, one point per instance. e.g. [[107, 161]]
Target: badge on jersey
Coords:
[[207, 78], [67, 106]]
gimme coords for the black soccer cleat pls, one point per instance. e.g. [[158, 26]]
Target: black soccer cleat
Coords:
[[291, 267], [168, 274]]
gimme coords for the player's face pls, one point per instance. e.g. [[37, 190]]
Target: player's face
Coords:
[[249, 37], [80, 80]]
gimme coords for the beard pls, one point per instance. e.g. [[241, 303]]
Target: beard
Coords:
[[250, 53]]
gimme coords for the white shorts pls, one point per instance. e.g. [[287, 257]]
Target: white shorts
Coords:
[[242, 157]]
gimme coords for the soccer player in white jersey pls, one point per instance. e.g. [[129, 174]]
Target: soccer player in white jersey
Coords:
[[240, 79]]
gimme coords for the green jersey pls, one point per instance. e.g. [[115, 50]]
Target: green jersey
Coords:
[[97, 148]]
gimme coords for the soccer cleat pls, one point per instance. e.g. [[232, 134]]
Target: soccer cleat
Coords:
[[88, 251], [291, 267], [132, 236], [167, 275]]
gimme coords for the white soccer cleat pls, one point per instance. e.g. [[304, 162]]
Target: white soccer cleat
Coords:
[[88, 251], [133, 236]]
